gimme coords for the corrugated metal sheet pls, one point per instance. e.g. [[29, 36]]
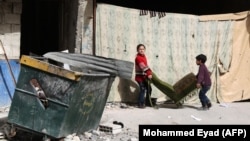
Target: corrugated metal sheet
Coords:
[[90, 63]]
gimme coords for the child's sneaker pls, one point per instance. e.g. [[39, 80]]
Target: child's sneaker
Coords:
[[209, 105], [142, 106], [203, 108]]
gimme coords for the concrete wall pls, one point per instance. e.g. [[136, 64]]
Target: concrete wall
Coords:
[[84, 40], [10, 23]]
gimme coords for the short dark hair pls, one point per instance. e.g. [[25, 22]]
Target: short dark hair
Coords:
[[138, 46], [201, 58]]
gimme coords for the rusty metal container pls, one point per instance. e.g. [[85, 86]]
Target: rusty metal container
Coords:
[[56, 102]]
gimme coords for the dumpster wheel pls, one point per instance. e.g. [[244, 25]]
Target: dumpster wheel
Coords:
[[8, 130]]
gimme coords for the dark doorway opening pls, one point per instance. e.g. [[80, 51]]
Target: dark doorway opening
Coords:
[[46, 26]]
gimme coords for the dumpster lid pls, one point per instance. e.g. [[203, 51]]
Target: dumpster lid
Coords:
[[50, 68]]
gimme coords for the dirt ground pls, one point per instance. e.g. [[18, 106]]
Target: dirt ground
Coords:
[[167, 114], [170, 114]]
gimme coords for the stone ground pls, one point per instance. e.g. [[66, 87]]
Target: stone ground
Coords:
[[167, 114]]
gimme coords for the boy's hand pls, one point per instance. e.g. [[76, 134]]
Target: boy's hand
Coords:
[[198, 85]]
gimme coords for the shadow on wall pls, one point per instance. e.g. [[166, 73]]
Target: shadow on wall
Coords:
[[248, 25], [128, 90], [88, 14]]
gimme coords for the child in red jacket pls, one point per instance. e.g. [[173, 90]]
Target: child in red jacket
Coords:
[[143, 72]]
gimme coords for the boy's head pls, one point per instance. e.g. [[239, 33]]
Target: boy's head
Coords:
[[201, 58]]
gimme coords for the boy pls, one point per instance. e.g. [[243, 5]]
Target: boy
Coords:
[[203, 81]]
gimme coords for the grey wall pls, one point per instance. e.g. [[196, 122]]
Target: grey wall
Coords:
[[10, 13]]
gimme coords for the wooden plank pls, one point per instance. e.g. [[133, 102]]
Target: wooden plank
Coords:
[[44, 66]]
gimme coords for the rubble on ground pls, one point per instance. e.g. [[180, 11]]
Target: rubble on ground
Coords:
[[114, 131]]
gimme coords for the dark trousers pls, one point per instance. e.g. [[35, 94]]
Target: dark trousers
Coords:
[[203, 97], [145, 88]]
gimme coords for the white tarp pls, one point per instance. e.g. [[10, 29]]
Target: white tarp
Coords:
[[172, 43]]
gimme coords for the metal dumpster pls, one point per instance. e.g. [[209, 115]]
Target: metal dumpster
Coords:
[[56, 102]]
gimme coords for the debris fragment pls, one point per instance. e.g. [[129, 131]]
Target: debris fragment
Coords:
[[198, 119], [224, 105], [111, 128]]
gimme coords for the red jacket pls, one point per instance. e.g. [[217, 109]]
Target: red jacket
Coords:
[[142, 69]]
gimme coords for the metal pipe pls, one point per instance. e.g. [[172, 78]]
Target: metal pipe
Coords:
[[6, 58]]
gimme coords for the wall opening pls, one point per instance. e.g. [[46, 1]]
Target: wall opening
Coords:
[[48, 25]]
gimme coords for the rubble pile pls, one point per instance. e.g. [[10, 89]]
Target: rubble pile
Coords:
[[108, 131]]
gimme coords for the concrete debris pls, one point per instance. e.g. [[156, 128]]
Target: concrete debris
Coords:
[[94, 135], [95, 132], [133, 139], [167, 115], [111, 130], [224, 105], [124, 106], [87, 135], [117, 105], [2, 137], [4, 109]]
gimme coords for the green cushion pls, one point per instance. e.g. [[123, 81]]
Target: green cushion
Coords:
[[179, 90]]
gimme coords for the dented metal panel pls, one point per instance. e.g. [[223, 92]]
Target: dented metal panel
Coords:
[[91, 63], [48, 100], [44, 66]]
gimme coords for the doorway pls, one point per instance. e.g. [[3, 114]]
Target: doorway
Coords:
[[47, 26]]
